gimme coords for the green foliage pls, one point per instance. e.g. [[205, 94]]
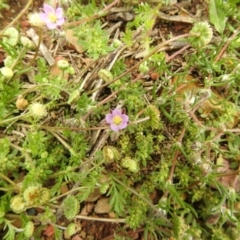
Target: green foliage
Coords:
[[93, 39], [217, 15], [3, 5], [118, 197], [173, 171]]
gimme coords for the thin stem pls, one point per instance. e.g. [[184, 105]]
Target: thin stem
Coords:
[[16, 187], [13, 119], [156, 49], [174, 163], [67, 193], [114, 220], [70, 149], [140, 120], [226, 44], [40, 33]]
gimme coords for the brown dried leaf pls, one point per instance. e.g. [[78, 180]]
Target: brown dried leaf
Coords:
[[73, 40]]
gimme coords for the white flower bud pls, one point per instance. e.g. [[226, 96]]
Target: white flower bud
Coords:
[[6, 72]]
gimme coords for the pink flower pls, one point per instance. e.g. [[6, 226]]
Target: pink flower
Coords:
[[117, 120], [52, 17]]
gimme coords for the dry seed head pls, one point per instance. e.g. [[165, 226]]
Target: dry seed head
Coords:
[[38, 110], [21, 103], [32, 194], [110, 154], [35, 20]]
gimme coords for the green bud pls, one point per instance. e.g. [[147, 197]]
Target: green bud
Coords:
[[44, 154], [63, 64], [105, 75], [71, 229], [28, 229], [232, 194], [71, 70]]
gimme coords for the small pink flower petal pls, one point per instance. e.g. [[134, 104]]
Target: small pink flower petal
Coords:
[[48, 9], [114, 127], [59, 12], [117, 112], [124, 118], [123, 125], [60, 21], [109, 117], [51, 25], [43, 16]]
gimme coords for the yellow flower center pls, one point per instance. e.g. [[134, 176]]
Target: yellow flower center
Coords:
[[117, 120], [52, 17]]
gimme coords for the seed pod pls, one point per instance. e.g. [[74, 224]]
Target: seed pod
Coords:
[[71, 229], [105, 75], [110, 154], [21, 103], [29, 229], [6, 72]]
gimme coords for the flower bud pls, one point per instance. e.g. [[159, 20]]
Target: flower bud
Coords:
[[21, 103], [105, 75], [232, 194], [71, 229], [28, 43], [28, 229], [63, 64], [7, 72], [17, 204]]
